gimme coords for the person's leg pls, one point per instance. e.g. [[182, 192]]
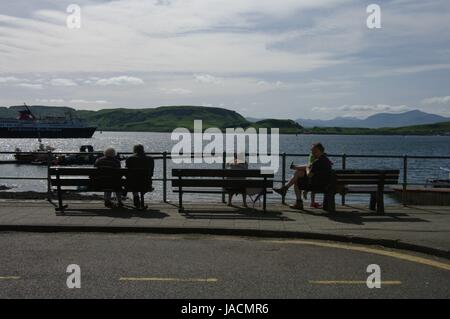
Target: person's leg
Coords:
[[293, 181], [230, 198], [108, 202], [136, 200], [143, 201], [298, 194], [119, 199], [244, 199]]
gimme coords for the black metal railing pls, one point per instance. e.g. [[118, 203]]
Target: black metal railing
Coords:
[[165, 157]]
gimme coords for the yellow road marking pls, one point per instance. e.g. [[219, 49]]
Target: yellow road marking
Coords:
[[393, 254], [207, 280], [350, 282], [9, 277]]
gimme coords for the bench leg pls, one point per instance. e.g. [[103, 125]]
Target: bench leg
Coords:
[[380, 203], [265, 200], [180, 199], [60, 207], [373, 201], [329, 203]]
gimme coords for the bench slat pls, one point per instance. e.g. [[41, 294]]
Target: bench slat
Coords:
[[219, 173], [227, 183]]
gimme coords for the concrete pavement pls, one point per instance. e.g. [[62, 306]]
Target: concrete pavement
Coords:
[[34, 265], [423, 229]]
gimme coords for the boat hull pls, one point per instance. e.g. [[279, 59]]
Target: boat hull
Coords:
[[43, 132]]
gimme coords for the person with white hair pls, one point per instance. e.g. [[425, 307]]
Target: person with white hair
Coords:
[[110, 160]]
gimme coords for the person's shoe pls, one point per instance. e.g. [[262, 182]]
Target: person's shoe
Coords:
[[298, 205], [109, 204], [282, 191], [137, 202], [315, 205]]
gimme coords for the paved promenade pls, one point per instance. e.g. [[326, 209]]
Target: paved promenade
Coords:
[[425, 229]]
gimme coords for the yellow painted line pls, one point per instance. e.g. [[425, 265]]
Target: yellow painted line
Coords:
[[351, 282], [207, 280], [393, 254], [9, 277]]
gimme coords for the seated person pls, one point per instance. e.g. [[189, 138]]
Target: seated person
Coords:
[[313, 178], [140, 183], [109, 160], [236, 163]]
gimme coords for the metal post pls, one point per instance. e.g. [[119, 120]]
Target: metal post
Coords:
[[165, 177], [283, 177], [224, 163], [344, 166], [49, 180], [405, 179]]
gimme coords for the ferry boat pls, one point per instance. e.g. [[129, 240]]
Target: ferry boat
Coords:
[[27, 125]]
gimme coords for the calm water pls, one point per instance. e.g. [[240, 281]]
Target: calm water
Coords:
[[419, 170]]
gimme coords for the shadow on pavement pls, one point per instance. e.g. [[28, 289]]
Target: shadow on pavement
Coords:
[[125, 213], [363, 217]]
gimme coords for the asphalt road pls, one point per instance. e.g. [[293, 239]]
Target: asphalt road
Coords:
[[154, 266]]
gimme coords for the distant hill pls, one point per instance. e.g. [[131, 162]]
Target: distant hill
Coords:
[[380, 120], [441, 128], [160, 119], [38, 110], [285, 126]]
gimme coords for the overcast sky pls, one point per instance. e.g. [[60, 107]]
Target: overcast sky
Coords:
[[262, 58]]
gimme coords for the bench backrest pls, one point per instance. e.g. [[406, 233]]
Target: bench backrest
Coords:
[[366, 177], [94, 178], [222, 178]]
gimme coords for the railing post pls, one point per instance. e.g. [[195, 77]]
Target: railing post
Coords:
[[344, 166], [405, 179], [165, 177], [49, 180], [283, 176], [224, 163]]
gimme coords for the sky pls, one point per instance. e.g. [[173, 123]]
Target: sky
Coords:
[[263, 58]]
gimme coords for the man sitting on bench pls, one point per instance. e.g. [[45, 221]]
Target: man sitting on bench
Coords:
[[140, 184], [314, 178], [109, 160]]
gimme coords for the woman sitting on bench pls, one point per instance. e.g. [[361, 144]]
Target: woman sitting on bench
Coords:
[[314, 178], [109, 160]]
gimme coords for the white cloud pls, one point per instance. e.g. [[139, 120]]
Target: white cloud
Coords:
[[31, 86], [119, 81], [82, 101], [8, 79], [50, 101], [437, 100], [63, 82], [178, 91], [359, 110], [207, 78]]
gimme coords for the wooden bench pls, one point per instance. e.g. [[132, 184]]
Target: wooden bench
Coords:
[[91, 179], [219, 181], [372, 182]]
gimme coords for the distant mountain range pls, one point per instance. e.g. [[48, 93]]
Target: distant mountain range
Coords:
[[160, 119], [380, 120], [167, 118]]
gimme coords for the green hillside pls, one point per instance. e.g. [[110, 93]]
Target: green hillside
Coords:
[[442, 128], [161, 119], [285, 126]]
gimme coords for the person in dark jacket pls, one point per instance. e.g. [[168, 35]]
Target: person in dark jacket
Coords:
[[315, 177], [140, 183], [109, 161]]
